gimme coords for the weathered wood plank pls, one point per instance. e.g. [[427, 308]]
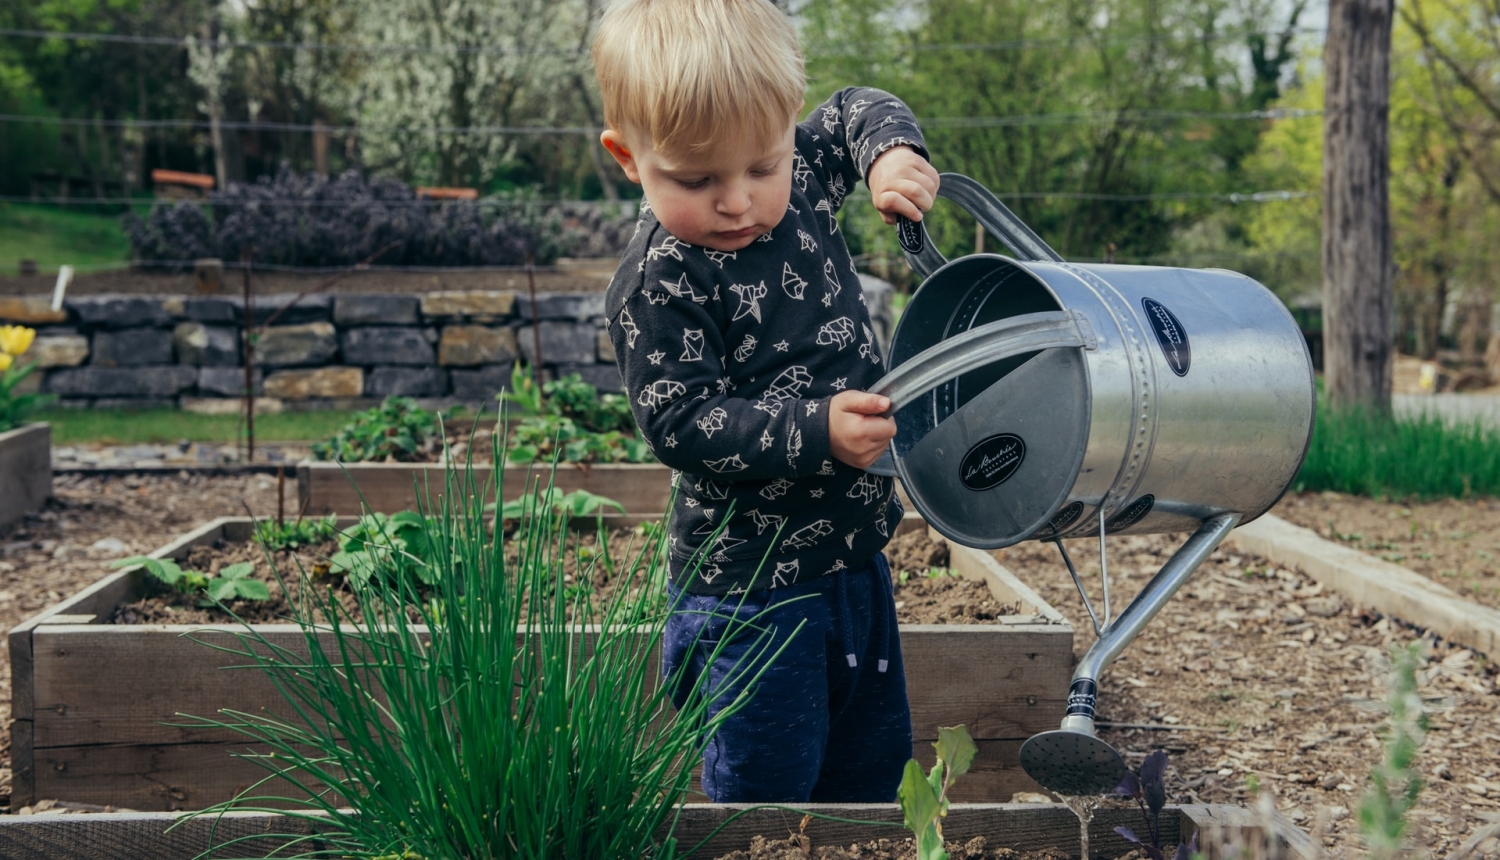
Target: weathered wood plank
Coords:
[[331, 488], [1373, 582], [25, 470], [111, 684], [1232, 831], [1021, 827], [111, 836]]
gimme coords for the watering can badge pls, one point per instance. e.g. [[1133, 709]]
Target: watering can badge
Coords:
[[1037, 399]]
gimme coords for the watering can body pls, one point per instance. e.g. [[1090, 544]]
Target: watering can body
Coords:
[[1184, 394]]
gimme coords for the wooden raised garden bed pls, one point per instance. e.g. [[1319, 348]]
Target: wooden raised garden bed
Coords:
[[92, 701], [25, 470], [1021, 827], [348, 488]]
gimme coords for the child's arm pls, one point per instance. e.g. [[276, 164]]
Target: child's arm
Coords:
[[865, 133], [673, 361]]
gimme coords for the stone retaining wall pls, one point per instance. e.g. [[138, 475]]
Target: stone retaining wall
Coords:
[[323, 351]]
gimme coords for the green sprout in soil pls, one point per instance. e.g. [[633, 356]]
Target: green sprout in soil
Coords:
[[1395, 783], [295, 534], [924, 797], [232, 583]]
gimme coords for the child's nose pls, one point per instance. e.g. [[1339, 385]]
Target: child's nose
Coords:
[[735, 201]]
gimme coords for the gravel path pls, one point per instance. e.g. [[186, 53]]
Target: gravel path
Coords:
[[1250, 670]]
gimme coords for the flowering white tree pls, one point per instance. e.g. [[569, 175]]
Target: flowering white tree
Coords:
[[464, 64]]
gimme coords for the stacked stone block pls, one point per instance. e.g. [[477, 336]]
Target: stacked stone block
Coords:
[[318, 351]]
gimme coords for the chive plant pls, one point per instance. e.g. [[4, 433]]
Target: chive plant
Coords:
[[485, 714]]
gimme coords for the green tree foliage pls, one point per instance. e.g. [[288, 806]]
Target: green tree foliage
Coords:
[[1441, 209], [1072, 99]]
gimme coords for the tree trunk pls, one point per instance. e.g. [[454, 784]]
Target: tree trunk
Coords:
[[1356, 204]]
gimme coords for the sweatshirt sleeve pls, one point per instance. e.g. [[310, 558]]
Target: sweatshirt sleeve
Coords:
[[852, 129], [673, 360]]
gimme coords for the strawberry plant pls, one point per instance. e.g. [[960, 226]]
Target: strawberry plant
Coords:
[[232, 583], [398, 429], [924, 797], [570, 420]]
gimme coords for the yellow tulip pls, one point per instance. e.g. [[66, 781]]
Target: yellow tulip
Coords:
[[5, 361], [15, 339]]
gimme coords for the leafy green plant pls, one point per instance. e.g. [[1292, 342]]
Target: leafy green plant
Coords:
[[573, 504], [296, 533], [924, 797], [232, 583], [16, 408], [398, 429], [453, 736], [568, 419], [391, 546], [1148, 788], [1355, 450], [1395, 783]]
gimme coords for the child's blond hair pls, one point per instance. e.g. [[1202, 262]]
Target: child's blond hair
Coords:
[[693, 73]]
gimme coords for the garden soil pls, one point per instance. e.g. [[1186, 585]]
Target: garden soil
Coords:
[[800, 847], [1253, 676], [927, 591]]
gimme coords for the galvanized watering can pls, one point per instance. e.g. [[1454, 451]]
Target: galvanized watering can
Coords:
[[1037, 399]]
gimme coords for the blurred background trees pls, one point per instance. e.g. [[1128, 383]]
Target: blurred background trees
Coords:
[[1157, 131]]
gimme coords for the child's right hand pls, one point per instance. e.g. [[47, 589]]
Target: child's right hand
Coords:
[[857, 434]]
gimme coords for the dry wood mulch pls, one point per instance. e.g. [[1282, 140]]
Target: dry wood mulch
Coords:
[[1254, 673]]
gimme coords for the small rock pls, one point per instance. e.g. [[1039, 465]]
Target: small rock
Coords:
[[1029, 797], [110, 545]]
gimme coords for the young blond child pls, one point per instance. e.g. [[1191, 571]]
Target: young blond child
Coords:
[[746, 348]]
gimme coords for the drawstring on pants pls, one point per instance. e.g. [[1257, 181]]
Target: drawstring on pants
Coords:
[[883, 631]]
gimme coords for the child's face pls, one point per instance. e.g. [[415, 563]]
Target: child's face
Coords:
[[723, 199]]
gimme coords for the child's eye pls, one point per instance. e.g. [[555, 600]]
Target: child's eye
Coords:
[[764, 172], [694, 184]]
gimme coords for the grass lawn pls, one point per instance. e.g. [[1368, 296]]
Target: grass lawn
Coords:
[[58, 235], [128, 427]]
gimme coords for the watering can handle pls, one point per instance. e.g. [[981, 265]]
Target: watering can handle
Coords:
[[988, 211], [982, 345]]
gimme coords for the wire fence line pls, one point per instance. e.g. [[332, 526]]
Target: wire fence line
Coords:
[[1054, 43], [1227, 197], [955, 122]]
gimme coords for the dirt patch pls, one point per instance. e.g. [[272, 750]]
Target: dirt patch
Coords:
[[800, 847], [1456, 543], [926, 591]]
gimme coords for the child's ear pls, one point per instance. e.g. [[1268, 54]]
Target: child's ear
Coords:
[[614, 142]]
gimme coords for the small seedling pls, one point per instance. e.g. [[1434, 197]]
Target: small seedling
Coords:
[[232, 583], [295, 534], [1148, 788], [924, 797]]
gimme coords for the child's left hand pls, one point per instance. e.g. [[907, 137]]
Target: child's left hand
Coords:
[[902, 183]]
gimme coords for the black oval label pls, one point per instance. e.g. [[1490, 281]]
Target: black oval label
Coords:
[[1133, 513], [1064, 519], [991, 462], [1170, 335]]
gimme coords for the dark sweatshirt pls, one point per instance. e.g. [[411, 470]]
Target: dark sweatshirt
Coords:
[[730, 360]]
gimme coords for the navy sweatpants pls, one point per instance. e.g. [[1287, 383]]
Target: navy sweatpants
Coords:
[[828, 721]]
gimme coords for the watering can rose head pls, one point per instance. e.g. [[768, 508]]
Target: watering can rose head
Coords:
[[14, 340]]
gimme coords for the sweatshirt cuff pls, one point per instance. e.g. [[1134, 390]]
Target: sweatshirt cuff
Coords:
[[809, 419], [899, 134]]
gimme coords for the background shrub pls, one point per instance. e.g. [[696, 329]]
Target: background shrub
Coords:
[[307, 220]]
